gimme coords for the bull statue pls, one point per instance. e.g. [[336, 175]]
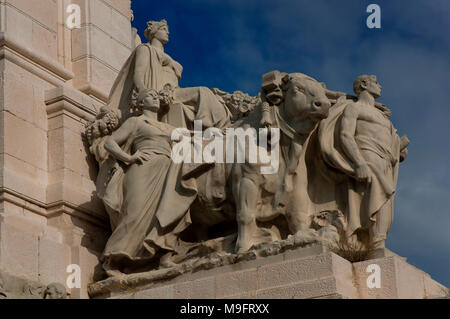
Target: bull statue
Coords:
[[294, 103]]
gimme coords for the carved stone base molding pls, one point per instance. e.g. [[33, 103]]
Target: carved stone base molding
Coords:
[[307, 272]]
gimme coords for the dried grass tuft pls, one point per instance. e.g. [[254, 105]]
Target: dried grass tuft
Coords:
[[353, 251]]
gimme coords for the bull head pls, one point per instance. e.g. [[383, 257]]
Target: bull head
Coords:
[[304, 97]]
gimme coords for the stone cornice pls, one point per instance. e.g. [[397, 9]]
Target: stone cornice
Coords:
[[68, 99], [32, 61], [50, 210], [95, 91]]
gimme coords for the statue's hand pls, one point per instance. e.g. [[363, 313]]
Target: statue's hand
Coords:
[[266, 120], [363, 173], [180, 138], [139, 157]]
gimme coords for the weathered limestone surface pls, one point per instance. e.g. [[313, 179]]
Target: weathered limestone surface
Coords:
[[304, 273], [13, 287], [49, 214], [55, 82], [101, 45], [398, 280]]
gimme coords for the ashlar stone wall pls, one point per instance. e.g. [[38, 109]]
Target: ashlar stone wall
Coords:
[[52, 81]]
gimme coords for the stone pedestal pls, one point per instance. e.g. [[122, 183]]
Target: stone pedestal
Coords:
[[304, 273]]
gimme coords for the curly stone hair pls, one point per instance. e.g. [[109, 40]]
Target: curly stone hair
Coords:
[[153, 27], [360, 80]]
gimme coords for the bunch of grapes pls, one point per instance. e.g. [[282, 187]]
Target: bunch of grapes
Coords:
[[106, 122], [239, 103]]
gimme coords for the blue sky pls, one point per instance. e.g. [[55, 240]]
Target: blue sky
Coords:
[[229, 44]]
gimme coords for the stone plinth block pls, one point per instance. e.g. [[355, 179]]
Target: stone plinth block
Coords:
[[310, 272]]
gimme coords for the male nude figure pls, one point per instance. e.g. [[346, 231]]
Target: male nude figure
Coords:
[[374, 149]]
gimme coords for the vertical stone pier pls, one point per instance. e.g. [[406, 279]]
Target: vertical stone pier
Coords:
[[52, 81]]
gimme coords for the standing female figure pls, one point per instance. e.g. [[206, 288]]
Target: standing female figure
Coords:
[[149, 187]]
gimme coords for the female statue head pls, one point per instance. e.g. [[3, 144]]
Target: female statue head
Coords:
[[157, 30], [148, 100]]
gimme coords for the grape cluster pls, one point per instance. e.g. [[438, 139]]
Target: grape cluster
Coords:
[[239, 103], [106, 122]]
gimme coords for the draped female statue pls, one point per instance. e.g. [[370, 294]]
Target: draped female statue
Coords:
[[150, 67], [146, 199], [148, 188]]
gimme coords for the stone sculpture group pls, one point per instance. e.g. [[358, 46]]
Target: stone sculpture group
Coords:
[[338, 165]]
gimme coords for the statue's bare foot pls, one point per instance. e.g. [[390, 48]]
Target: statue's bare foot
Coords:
[[242, 247], [110, 269], [166, 261], [112, 272]]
